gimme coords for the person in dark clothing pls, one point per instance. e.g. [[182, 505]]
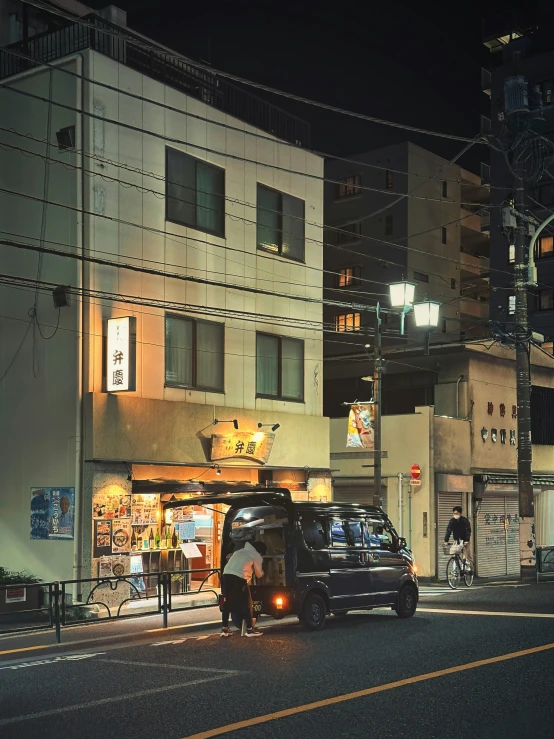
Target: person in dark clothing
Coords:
[[460, 528]]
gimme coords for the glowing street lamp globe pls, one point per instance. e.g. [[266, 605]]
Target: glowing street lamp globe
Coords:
[[402, 294], [426, 314]]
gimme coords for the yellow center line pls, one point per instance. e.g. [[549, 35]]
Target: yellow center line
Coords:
[[485, 613], [26, 649], [362, 693]]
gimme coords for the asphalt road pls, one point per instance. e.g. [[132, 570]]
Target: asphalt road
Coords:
[[194, 687]]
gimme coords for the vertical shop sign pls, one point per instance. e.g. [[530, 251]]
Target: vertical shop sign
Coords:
[[52, 513], [121, 354]]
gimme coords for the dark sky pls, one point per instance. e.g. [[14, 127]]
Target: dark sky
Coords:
[[412, 62]]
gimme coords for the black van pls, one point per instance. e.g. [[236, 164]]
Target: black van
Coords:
[[321, 557]]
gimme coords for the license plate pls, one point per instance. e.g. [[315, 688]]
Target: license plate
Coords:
[[257, 606]]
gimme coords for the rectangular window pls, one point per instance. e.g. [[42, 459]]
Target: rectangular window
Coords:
[[546, 299], [194, 193], [280, 223], [511, 305], [388, 225], [443, 234], [443, 325], [453, 283], [346, 533], [546, 90], [389, 179], [378, 536], [348, 276], [194, 353], [350, 186], [421, 276], [348, 233], [444, 189], [279, 367], [347, 322], [512, 253], [545, 247], [315, 531]]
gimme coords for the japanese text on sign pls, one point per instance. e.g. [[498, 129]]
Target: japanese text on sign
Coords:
[[120, 356]]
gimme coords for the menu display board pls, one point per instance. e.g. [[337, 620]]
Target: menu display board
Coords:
[[111, 504], [121, 535], [145, 510], [102, 544]]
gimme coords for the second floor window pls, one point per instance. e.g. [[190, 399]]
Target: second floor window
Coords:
[[194, 193], [349, 232], [350, 186], [444, 189], [347, 322], [546, 299], [280, 223], [545, 247], [279, 367], [348, 276], [511, 305], [194, 353], [389, 179], [421, 276], [443, 234]]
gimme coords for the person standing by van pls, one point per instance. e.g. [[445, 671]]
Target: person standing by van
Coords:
[[460, 528], [236, 576]]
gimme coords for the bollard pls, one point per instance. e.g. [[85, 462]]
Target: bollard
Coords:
[[57, 611]]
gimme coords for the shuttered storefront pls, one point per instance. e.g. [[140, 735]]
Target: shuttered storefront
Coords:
[[497, 529], [447, 501], [361, 493]]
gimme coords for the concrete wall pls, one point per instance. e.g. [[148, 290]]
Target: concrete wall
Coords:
[[149, 240], [39, 393], [408, 440]]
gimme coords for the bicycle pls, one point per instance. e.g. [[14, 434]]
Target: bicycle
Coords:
[[458, 566]]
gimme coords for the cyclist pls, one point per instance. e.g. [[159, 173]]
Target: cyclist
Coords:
[[460, 528]]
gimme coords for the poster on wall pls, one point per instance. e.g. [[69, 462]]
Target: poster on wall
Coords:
[[52, 513], [111, 504], [145, 509], [117, 566], [102, 538], [121, 535]]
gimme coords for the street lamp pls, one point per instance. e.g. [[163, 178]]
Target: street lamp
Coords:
[[402, 297], [426, 315]]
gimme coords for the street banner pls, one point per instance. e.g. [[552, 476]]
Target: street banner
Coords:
[[360, 426]]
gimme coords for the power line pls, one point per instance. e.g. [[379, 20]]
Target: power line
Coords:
[[172, 55]]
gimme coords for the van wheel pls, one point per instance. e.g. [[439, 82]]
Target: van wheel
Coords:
[[407, 602], [314, 612]]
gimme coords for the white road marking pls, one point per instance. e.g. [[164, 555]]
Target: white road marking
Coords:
[[112, 699], [61, 658], [459, 612], [165, 666]]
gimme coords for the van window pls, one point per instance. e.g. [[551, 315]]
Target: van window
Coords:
[[377, 535], [315, 532], [346, 533]]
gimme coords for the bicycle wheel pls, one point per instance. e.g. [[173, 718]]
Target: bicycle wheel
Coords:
[[468, 577], [453, 573]]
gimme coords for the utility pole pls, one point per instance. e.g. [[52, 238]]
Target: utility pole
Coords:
[[378, 407], [523, 379]]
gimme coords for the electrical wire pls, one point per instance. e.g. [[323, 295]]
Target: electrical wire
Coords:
[[211, 70]]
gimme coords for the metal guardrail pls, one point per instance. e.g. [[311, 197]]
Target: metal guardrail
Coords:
[[53, 607], [123, 46]]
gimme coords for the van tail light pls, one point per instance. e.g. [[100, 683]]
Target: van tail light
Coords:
[[280, 602]]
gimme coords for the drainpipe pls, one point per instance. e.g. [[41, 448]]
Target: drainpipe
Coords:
[[460, 378], [400, 527]]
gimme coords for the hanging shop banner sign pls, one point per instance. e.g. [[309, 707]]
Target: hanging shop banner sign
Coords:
[[52, 513], [361, 422], [242, 445], [121, 354]]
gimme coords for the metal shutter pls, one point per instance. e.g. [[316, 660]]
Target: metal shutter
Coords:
[[513, 556], [447, 501], [362, 494], [491, 538]]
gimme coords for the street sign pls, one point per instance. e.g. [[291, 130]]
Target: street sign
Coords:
[[415, 472], [415, 483]]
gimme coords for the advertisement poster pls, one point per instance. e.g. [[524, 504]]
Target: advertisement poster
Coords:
[[111, 504], [121, 535], [117, 566], [145, 509], [102, 538], [52, 513], [360, 426]]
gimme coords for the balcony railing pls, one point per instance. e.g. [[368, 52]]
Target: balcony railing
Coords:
[[130, 50]]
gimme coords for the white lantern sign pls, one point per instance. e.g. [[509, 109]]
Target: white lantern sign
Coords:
[[121, 355]]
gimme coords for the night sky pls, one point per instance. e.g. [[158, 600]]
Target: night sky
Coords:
[[412, 62]]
